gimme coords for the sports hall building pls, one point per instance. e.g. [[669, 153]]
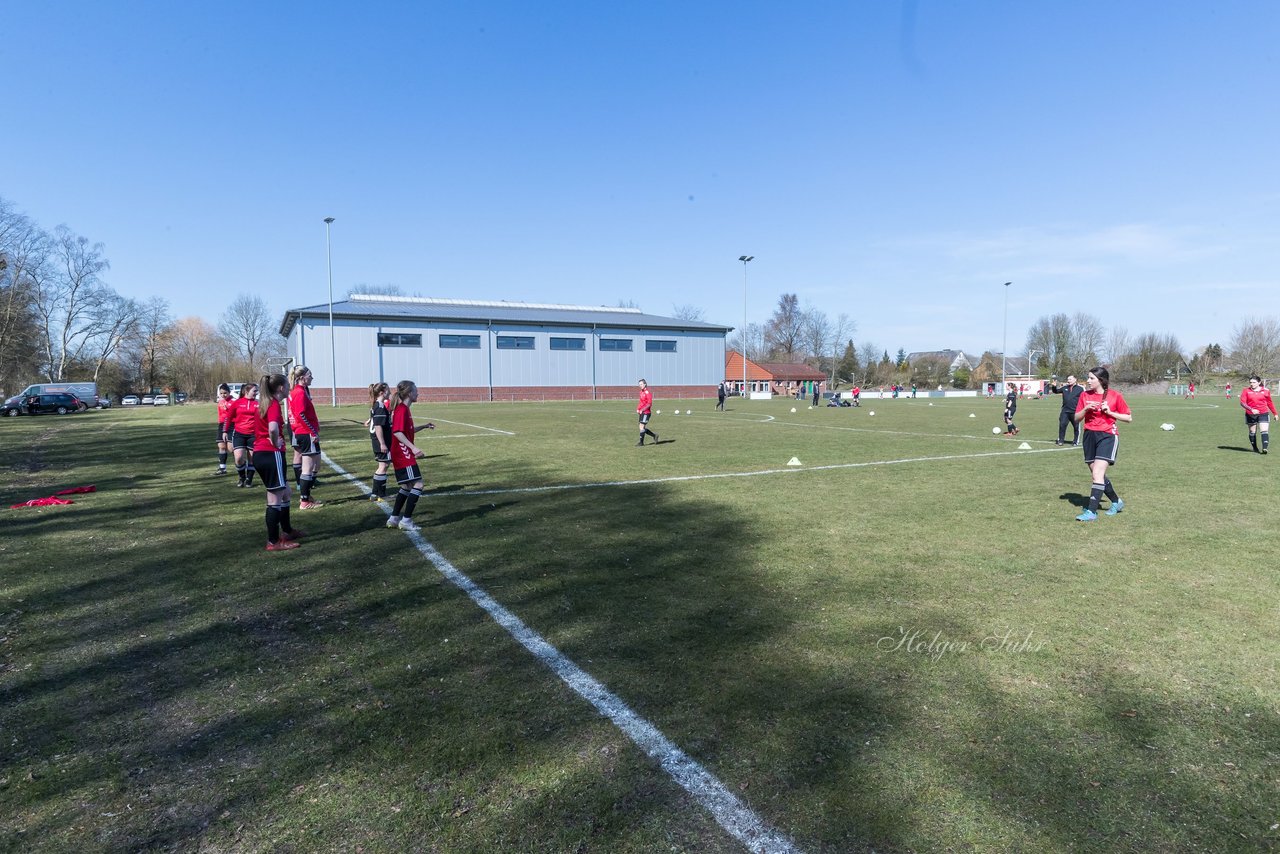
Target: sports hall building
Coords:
[[507, 351]]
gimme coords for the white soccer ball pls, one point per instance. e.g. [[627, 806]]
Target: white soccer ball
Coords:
[[677, 412], [793, 409], [1166, 426], [657, 412], [995, 430], [872, 412], [688, 412]]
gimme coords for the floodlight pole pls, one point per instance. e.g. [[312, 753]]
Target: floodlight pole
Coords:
[[333, 355], [744, 259], [1004, 344]]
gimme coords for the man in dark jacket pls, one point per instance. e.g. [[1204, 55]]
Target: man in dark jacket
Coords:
[[1070, 397]]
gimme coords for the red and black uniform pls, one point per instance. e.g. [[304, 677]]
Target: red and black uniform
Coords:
[[1257, 404], [1101, 442], [268, 455], [402, 458], [644, 408], [224, 418], [243, 414], [303, 423]]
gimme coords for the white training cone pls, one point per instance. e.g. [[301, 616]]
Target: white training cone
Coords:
[[1024, 447], [794, 461], [971, 415]]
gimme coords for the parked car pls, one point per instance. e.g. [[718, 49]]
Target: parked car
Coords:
[[161, 400], [148, 400], [104, 402], [180, 397], [129, 400], [59, 403]]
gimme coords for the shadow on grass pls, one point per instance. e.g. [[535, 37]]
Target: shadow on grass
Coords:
[[1236, 448]]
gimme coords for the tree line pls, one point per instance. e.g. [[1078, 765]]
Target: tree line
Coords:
[[1056, 345], [60, 320]]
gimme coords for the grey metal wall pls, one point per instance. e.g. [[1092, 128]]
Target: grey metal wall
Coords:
[[698, 359]]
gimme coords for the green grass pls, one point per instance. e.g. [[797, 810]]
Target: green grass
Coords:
[[166, 684]]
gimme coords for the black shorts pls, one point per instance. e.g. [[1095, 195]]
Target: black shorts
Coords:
[[380, 455], [306, 444], [412, 474], [270, 467], [644, 417], [1260, 418], [241, 440], [224, 435], [1100, 446]]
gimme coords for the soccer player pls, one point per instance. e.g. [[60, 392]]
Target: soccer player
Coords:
[[1258, 409], [1070, 397], [305, 427], [380, 436], [1099, 409], [224, 427], [1010, 407], [243, 413], [405, 456], [268, 461], [645, 410]]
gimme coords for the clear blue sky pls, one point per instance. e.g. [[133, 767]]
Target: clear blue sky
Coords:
[[897, 161]]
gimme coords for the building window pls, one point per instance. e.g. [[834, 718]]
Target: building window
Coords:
[[459, 342], [568, 343], [658, 346], [620, 345], [398, 339], [515, 342]]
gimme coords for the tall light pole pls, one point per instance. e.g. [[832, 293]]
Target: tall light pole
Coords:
[[1004, 344], [744, 259], [333, 355]]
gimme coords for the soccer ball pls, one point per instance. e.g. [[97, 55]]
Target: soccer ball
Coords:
[[872, 412], [995, 430], [793, 409], [677, 412], [657, 412], [688, 412]]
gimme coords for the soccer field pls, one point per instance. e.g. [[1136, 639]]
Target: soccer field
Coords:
[[904, 643]]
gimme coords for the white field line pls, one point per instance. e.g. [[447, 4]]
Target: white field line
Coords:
[[725, 807], [792, 470], [475, 426]]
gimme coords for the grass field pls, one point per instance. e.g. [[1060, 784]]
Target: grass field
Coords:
[[906, 643]]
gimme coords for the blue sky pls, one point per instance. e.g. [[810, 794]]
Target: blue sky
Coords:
[[895, 161]]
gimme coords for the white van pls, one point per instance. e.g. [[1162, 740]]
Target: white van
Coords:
[[86, 392]]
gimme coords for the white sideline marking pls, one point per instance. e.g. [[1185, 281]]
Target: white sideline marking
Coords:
[[677, 478], [476, 426], [725, 807]]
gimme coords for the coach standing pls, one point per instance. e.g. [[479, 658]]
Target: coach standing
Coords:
[[1070, 397]]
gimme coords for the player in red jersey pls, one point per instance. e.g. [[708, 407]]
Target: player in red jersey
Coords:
[[644, 408], [404, 456], [1258, 409], [243, 413], [1098, 410], [305, 426], [268, 460], [224, 427]]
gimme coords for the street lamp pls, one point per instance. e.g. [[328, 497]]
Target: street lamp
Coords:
[[744, 259], [1004, 344], [333, 355]]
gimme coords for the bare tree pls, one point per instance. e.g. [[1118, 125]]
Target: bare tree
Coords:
[[841, 328], [869, 358], [1153, 355], [749, 341], [23, 246], [147, 347], [118, 320], [69, 296], [245, 324], [784, 332], [1117, 347], [376, 290], [815, 336], [689, 312], [193, 355], [1088, 337], [1255, 346]]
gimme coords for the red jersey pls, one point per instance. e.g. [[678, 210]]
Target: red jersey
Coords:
[[243, 413], [401, 422], [1095, 420], [262, 439], [646, 400], [224, 413], [1257, 401], [302, 415]]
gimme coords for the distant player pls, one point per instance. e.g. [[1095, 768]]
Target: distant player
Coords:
[[243, 413], [305, 427], [1070, 397], [380, 437], [645, 410], [224, 427], [404, 456], [1258, 409], [1191, 391], [268, 461], [1099, 409], [1010, 407]]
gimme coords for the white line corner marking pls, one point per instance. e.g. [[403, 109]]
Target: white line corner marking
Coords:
[[725, 807]]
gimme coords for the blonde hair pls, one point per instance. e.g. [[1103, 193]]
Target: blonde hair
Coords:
[[404, 388], [376, 389], [272, 384], [298, 371]]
